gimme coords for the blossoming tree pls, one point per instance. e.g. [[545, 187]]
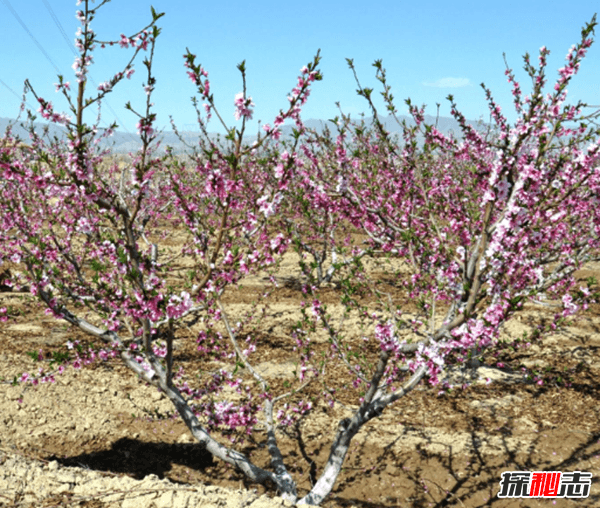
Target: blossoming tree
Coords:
[[474, 227]]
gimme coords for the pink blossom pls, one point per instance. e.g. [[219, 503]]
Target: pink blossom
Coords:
[[243, 107]]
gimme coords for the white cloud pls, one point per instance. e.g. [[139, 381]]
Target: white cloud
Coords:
[[449, 83]]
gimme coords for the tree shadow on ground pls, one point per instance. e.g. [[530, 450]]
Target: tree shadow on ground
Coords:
[[139, 459]]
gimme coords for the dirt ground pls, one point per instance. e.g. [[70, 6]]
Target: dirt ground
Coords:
[[99, 438]]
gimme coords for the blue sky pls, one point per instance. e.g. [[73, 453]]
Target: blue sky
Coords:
[[429, 48]]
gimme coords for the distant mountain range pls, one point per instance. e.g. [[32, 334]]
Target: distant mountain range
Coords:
[[123, 142]]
